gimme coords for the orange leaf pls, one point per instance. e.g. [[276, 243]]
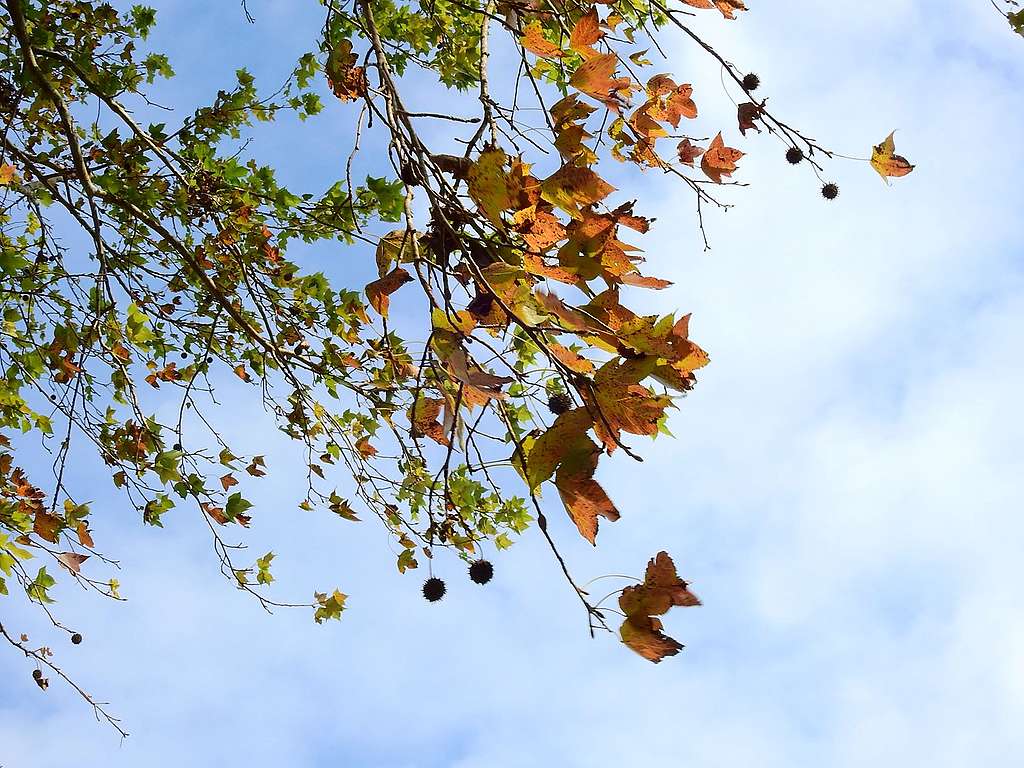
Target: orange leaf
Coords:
[[585, 33], [595, 77], [570, 359], [551, 448], [379, 291], [365, 449], [534, 41], [347, 81], [719, 160], [885, 160], [688, 152], [423, 416], [584, 499], [47, 526], [661, 590], [670, 102], [625, 405], [570, 187], [727, 7], [84, 536], [227, 481]]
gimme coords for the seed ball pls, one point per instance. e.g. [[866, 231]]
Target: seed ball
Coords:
[[433, 589], [794, 155], [750, 82], [209, 360], [177, 446], [559, 403], [76, 639], [37, 674], [830, 191], [481, 571]]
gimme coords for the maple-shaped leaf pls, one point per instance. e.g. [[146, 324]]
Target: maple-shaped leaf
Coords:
[[670, 102], [379, 291], [885, 160], [719, 160], [661, 590], [688, 152], [364, 448], [728, 8], [539, 229], [347, 81], [585, 33], [47, 526], [489, 185], [585, 500], [746, 114], [595, 77], [571, 187], [551, 448], [7, 174], [423, 416], [623, 404], [571, 359], [534, 41]]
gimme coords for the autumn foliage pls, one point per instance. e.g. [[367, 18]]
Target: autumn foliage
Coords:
[[512, 287]]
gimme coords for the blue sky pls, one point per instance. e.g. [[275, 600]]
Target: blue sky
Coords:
[[843, 490]]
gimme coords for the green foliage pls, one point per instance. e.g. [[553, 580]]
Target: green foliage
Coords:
[[438, 426]]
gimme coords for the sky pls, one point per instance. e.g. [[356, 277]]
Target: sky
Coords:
[[843, 491]]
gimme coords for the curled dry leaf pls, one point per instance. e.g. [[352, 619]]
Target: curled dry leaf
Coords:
[[688, 152], [661, 590], [347, 81], [746, 114], [379, 291], [72, 560], [885, 160]]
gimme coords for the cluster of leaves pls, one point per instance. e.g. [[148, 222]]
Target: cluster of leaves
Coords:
[[1013, 12], [526, 360]]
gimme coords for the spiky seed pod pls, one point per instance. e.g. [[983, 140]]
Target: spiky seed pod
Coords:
[[750, 82], [830, 191], [37, 674], [794, 155], [559, 403], [76, 639], [433, 589], [481, 571]]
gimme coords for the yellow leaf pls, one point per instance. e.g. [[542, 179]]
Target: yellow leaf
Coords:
[[489, 185], [534, 41], [571, 186], [885, 160]]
